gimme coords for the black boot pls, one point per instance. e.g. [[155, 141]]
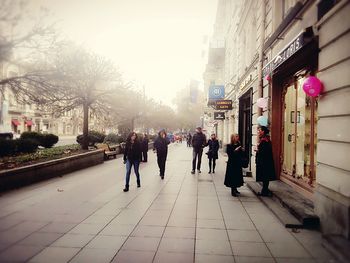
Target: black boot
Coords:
[[233, 191], [126, 189]]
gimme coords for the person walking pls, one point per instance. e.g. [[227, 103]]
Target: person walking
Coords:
[[132, 157], [161, 147], [212, 153], [265, 168], [189, 140], [144, 147], [199, 141], [234, 174]]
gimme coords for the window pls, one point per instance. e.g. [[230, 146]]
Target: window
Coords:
[[287, 6]]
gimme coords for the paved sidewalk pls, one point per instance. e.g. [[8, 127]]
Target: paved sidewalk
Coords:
[[85, 217]]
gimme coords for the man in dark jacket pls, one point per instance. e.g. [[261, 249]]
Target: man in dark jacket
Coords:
[[199, 141], [161, 146], [145, 148]]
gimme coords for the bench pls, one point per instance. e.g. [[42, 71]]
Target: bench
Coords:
[[107, 150]]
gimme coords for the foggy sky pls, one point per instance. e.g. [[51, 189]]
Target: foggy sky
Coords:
[[156, 43]]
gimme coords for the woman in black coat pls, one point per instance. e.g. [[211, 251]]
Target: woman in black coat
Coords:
[[132, 157], [212, 153], [234, 174], [161, 146], [265, 169]]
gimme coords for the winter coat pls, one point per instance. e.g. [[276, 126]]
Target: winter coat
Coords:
[[234, 174], [145, 145], [198, 141], [265, 168], [133, 151], [213, 149], [161, 145]]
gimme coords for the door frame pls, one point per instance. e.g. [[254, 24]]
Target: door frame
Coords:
[[305, 60], [246, 98]]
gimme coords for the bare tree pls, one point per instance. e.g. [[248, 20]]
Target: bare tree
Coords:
[[23, 40]]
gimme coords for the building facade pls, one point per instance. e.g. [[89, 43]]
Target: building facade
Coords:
[[271, 48]]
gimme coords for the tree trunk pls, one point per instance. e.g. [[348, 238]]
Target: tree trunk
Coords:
[[86, 126]]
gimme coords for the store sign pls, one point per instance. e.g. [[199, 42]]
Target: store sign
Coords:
[[245, 82], [285, 54], [219, 115], [216, 92], [223, 105]]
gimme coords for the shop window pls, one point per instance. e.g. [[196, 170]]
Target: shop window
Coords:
[[300, 135], [324, 6]]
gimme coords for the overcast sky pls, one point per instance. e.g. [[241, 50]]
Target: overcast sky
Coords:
[[156, 43]]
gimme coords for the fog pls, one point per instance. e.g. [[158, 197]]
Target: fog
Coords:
[[157, 44]]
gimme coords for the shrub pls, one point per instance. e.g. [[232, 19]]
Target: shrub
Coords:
[[44, 140], [48, 140], [7, 147], [93, 137], [26, 145], [114, 138], [32, 136]]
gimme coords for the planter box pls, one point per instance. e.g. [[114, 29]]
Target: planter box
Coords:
[[14, 178]]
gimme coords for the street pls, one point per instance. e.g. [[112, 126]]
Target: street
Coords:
[[86, 217], [66, 140]]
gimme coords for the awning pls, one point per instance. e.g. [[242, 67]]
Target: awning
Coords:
[[15, 122], [29, 123]]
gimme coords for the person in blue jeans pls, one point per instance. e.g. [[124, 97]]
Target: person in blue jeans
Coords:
[[132, 157]]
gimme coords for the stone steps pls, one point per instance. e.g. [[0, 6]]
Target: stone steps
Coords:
[[293, 209]]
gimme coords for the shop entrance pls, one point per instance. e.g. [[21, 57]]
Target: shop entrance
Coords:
[[299, 135], [245, 120]]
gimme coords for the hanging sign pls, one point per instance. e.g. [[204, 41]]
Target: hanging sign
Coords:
[[219, 115], [223, 104]]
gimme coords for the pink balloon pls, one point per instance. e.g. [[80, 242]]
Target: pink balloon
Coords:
[[312, 86]]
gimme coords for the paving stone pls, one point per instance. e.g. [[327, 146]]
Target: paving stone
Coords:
[[93, 255], [148, 231], [107, 242], [117, 230], [211, 234], [72, 240], [252, 249], [244, 235], [204, 258], [90, 229], [213, 247], [55, 255], [141, 243], [162, 257], [40, 239], [240, 259], [210, 223], [19, 253], [131, 256], [179, 232], [177, 245], [288, 250], [57, 227]]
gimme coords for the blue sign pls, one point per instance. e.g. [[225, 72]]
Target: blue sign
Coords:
[[216, 92]]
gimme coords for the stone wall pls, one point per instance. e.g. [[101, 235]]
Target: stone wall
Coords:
[[332, 197]]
